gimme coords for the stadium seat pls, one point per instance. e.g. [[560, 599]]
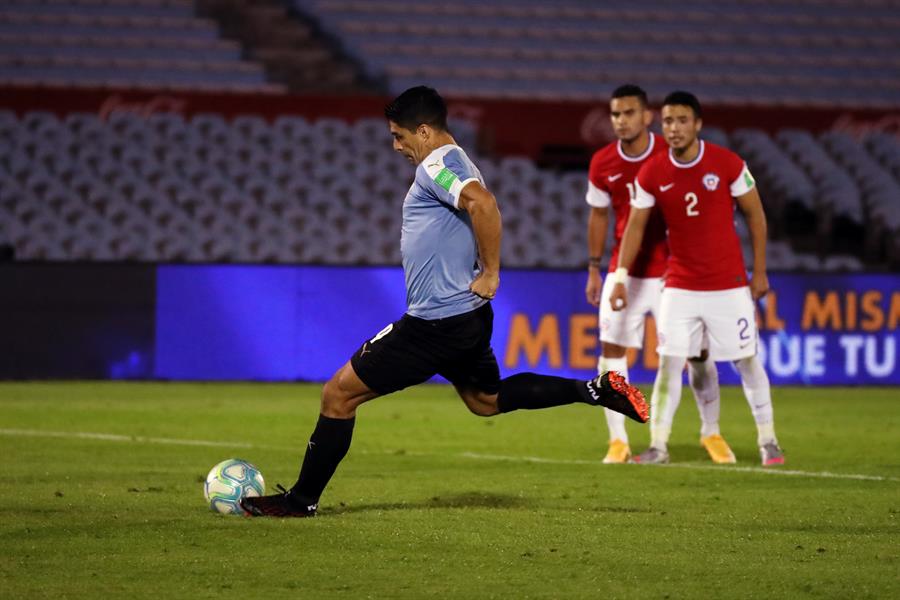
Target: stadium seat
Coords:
[[252, 182], [99, 44], [715, 135], [886, 149], [569, 49]]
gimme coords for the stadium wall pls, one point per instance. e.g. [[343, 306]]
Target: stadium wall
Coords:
[[543, 131], [287, 323], [77, 321]]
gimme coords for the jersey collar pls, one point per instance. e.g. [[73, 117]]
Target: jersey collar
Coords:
[[439, 152], [688, 165], [639, 157]]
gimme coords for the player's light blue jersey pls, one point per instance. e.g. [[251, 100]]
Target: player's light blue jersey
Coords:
[[437, 242]]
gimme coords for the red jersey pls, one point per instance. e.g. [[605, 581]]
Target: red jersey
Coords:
[[696, 201], [611, 181]]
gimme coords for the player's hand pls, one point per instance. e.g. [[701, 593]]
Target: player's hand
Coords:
[[485, 285], [759, 284], [619, 297], [592, 289]]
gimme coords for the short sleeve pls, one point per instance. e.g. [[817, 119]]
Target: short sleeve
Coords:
[[643, 182], [597, 197], [744, 182], [642, 198], [448, 175], [597, 192]]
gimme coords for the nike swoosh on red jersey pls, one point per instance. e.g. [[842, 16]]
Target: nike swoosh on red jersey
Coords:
[[614, 177], [665, 188]]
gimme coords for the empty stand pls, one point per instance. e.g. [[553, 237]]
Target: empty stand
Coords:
[[158, 44], [768, 52], [207, 189]]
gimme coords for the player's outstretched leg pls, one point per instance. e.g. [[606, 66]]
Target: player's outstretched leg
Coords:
[[759, 396], [619, 451], [619, 395], [327, 446], [664, 402], [703, 377], [531, 391]]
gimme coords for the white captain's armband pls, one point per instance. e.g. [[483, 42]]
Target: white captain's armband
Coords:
[[743, 184], [642, 198]]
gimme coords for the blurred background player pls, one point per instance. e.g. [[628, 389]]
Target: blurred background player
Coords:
[[706, 296], [611, 178]]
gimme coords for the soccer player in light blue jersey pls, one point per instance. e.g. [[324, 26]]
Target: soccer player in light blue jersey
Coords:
[[450, 244]]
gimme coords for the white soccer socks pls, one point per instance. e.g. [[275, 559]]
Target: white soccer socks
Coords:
[[759, 397], [703, 377], [665, 400], [615, 421]]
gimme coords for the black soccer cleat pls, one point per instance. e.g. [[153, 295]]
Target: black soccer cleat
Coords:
[[277, 505], [612, 391]]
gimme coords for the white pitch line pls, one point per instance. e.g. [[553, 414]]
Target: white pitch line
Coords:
[[760, 470], [531, 459], [780, 471], [111, 437]]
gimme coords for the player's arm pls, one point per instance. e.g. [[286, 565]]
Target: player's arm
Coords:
[[642, 203], [631, 244], [598, 225], [751, 205], [481, 205]]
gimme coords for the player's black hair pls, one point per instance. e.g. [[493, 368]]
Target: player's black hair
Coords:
[[417, 106], [629, 90], [682, 98]]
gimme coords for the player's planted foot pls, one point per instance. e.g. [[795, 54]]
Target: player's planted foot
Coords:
[[652, 456], [619, 452], [277, 505], [718, 449], [614, 392], [771, 454]]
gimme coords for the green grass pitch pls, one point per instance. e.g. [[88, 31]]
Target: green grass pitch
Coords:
[[102, 498]]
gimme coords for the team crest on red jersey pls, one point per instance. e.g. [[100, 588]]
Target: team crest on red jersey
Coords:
[[711, 181]]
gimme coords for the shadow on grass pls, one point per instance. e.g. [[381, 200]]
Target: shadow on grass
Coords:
[[618, 509], [466, 500], [748, 457], [687, 453]]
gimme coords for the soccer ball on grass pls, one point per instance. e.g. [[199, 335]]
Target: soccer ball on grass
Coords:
[[228, 482]]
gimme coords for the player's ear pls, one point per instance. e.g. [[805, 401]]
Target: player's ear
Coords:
[[648, 117], [699, 123], [423, 131]]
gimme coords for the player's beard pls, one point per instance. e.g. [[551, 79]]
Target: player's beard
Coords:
[[630, 140], [684, 145]]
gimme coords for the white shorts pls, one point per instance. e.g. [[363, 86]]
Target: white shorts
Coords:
[[626, 327], [726, 319]]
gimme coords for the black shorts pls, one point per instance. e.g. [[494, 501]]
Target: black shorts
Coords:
[[412, 350]]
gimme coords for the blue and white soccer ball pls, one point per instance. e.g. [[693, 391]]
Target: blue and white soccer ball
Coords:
[[228, 482]]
